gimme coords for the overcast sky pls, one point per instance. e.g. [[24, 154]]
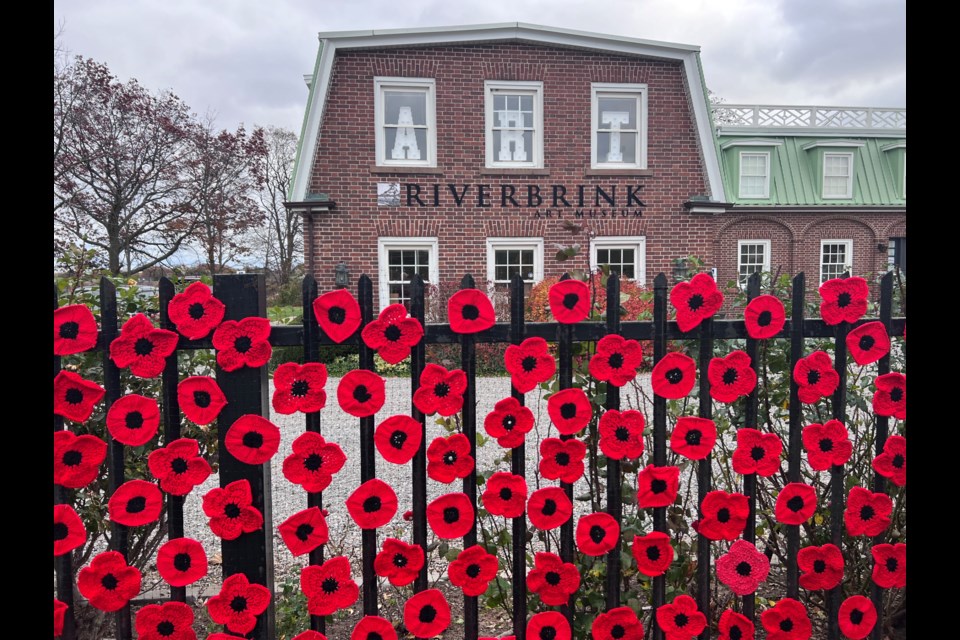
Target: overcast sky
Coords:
[[244, 60]]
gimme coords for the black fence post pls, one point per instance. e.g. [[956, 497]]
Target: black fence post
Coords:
[[468, 362], [418, 357], [796, 429], [750, 421], [614, 499], [518, 467], [659, 434], [368, 456], [565, 378], [704, 475]]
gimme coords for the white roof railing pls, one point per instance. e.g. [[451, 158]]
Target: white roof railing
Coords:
[[746, 118]]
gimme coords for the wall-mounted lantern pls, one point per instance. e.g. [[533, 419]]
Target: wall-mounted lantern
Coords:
[[341, 275]]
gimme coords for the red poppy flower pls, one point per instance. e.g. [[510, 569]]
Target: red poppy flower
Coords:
[[231, 510], [299, 387], [681, 620], [313, 462], [764, 317], [569, 410], [470, 311], [658, 486], [426, 614], [135, 503], [827, 444], [867, 513], [74, 397], [868, 343], [693, 437], [451, 515], [620, 623], [142, 347], [562, 459], [373, 504], [76, 459], [553, 579], [222, 636], [449, 458], [68, 530], [304, 531], [529, 363], [548, 508], [329, 587], [243, 344], [181, 561], [889, 565], [787, 620], [796, 503], [398, 439], [473, 570], [815, 376], [724, 515], [361, 393], [857, 617], [399, 562], [200, 399], [757, 452], [167, 621], [195, 311], [597, 533], [735, 626], [673, 376], [74, 330], [621, 434], [393, 333], [821, 567], [509, 422], [570, 301], [616, 360], [133, 419], [653, 553], [373, 628], [890, 398], [338, 314], [59, 612], [179, 466], [440, 391], [505, 495], [695, 301], [108, 582], [731, 377], [892, 463], [548, 625], [238, 604], [252, 439], [743, 568], [310, 635], [843, 300]]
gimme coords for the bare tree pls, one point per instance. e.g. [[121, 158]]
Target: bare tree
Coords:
[[282, 236]]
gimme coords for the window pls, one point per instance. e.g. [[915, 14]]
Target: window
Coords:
[[625, 255], [514, 124], [836, 258], [753, 255], [509, 256], [400, 259], [406, 122], [754, 175], [837, 175], [618, 114], [897, 255]]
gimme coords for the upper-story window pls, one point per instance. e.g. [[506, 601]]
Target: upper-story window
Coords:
[[514, 124], [837, 175], [406, 122], [618, 115], [754, 175]]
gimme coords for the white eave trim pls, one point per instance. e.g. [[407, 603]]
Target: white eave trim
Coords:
[[833, 143], [902, 144], [751, 142]]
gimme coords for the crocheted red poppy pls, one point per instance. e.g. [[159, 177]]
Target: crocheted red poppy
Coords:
[[787, 620], [681, 620], [653, 553], [195, 311], [470, 311], [892, 463], [440, 391], [505, 494], [135, 503], [68, 530], [76, 459], [735, 626], [329, 587], [569, 410], [621, 434], [724, 515], [398, 438], [108, 583], [142, 347], [796, 503], [179, 466], [742, 568], [299, 387], [304, 531], [509, 422], [426, 614], [373, 628], [74, 330], [231, 510], [74, 397], [393, 334], [548, 625], [553, 579], [373, 504], [764, 317], [548, 508], [167, 621], [731, 377], [890, 399], [693, 437], [843, 300], [310, 635], [757, 452], [243, 344], [815, 376], [399, 562], [338, 314], [868, 343], [200, 399], [238, 604], [658, 486], [889, 565], [449, 458], [570, 301], [695, 301], [181, 561], [673, 376], [620, 623], [313, 462], [562, 459], [529, 363], [597, 533], [473, 570], [252, 439], [451, 515], [616, 360], [821, 567], [857, 617], [59, 612], [133, 419], [867, 513], [827, 444]]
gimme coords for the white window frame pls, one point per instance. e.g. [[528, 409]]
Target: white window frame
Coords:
[[425, 85], [490, 88], [848, 265], [606, 89], [766, 258], [766, 176], [823, 189], [507, 244], [387, 244], [637, 243]]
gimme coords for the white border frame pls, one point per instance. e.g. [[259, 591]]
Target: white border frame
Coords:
[[766, 183], [494, 244], [849, 243], [823, 175], [388, 243], [637, 91], [639, 243], [382, 83], [766, 257], [535, 87]]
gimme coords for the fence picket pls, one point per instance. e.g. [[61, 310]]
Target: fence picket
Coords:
[[565, 379], [750, 421], [418, 357], [659, 433], [796, 427], [368, 459], [704, 471], [614, 499], [518, 467], [468, 363]]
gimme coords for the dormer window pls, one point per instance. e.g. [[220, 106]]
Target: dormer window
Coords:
[[754, 175], [837, 175]]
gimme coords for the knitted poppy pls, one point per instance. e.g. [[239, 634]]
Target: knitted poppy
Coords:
[[135, 503], [693, 437], [361, 393], [231, 510], [426, 614], [252, 439], [857, 617], [889, 565], [440, 391], [470, 311], [329, 587], [890, 399], [133, 419], [569, 410], [473, 570], [658, 486], [843, 300], [787, 620], [653, 553], [548, 508], [867, 512], [724, 515], [373, 628], [238, 604], [620, 623], [505, 495], [200, 399], [222, 636], [373, 504], [108, 582], [616, 360], [299, 387], [59, 612], [731, 377], [309, 635], [398, 439], [621, 434], [796, 503], [868, 343], [68, 530], [815, 376], [167, 621], [827, 444], [548, 625], [695, 301], [142, 347], [743, 568], [449, 458], [570, 301], [244, 343], [673, 376], [597, 533], [76, 459], [393, 333], [821, 567], [451, 515], [681, 620], [179, 466], [313, 462], [509, 422], [74, 397], [892, 463], [74, 330], [181, 561], [529, 363], [399, 562], [304, 531], [553, 579], [562, 459], [764, 317], [735, 626], [757, 452], [195, 311], [338, 314]]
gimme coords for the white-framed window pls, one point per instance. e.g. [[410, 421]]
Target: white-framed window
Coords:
[[836, 258], [754, 174], [837, 175], [904, 175], [405, 111], [509, 256], [752, 256], [625, 255], [897, 254], [618, 116], [514, 124], [400, 259]]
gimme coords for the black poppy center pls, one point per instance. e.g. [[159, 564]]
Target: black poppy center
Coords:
[[337, 315], [133, 420], [622, 434], [299, 388], [166, 628], [182, 561], [450, 457], [891, 565], [552, 578], [506, 493], [597, 534], [693, 436], [330, 585], [397, 438], [201, 399], [232, 510], [653, 553], [473, 570], [896, 394], [674, 376], [757, 453], [60, 531], [563, 459], [548, 633], [658, 486], [72, 458], [136, 505], [681, 619], [867, 342], [617, 631], [509, 422], [143, 346], [813, 377], [428, 614], [374, 636], [372, 504], [568, 410], [819, 566], [843, 300], [242, 344], [898, 461], [470, 312], [253, 439], [195, 310], [795, 504], [451, 515], [765, 318], [399, 560], [744, 568], [109, 582], [867, 512], [786, 625], [735, 633], [616, 361], [360, 394], [304, 531], [730, 376], [74, 396], [179, 465], [529, 363], [549, 507], [69, 330], [723, 515], [570, 300], [392, 333], [441, 390], [826, 444], [856, 616]]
